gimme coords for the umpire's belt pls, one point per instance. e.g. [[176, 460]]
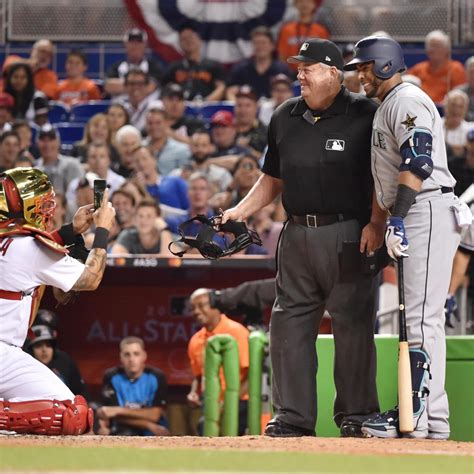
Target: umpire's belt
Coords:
[[318, 220]]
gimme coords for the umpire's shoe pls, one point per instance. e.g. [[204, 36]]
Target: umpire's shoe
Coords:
[[351, 429], [278, 429], [383, 425]]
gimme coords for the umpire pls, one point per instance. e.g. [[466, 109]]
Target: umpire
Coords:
[[319, 159]]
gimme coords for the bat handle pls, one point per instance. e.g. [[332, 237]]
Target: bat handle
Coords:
[[401, 303]]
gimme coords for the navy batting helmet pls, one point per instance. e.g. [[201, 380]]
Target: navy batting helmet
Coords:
[[386, 54]]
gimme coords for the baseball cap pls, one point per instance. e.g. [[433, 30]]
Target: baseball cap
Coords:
[[280, 79], [40, 105], [318, 50], [136, 34], [173, 90], [44, 317], [247, 91], [470, 135], [41, 333], [223, 118], [47, 131], [6, 100]]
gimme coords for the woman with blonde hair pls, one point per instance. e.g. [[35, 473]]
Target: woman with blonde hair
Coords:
[[97, 131]]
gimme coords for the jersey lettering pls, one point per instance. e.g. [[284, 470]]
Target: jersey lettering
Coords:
[[4, 244], [378, 140]]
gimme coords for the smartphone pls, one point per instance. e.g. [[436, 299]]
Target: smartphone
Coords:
[[99, 188]]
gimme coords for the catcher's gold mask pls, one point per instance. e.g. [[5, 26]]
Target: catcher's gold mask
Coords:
[[26, 194]]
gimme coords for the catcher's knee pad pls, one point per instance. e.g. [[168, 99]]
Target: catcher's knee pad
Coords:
[[47, 417], [420, 374]]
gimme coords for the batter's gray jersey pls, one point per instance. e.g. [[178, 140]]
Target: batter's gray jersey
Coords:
[[405, 109]]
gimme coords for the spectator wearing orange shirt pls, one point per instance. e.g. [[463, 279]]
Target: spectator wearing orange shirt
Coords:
[[76, 88], [439, 74], [309, 24], [214, 322]]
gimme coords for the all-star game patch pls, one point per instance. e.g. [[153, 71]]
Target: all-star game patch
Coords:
[[409, 122]]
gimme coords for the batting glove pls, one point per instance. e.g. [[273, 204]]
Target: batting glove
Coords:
[[451, 310], [395, 238]]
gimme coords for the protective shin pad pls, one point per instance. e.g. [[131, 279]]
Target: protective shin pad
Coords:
[[420, 374], [47, 417]]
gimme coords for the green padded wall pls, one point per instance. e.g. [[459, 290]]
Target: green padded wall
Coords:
[[459, 382]]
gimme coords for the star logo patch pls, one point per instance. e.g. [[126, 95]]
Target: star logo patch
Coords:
[[409, 122]]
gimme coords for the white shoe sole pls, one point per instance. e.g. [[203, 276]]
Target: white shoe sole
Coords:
[[373, 433]]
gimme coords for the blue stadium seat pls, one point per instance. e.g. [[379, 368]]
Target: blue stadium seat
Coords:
[[83, 112], [191, 109], [208, 109], [70, 132], [58, 112]]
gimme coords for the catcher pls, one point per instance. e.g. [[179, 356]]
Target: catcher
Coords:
[[32, 398]]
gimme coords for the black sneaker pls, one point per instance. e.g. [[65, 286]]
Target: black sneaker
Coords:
[[351, 429], [279, 429], [383, 425]]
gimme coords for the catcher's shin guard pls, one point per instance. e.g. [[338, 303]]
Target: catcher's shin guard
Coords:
[[47, 417]]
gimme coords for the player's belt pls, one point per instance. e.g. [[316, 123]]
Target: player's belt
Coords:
[[11, 295], [443, 189], [319, 220]]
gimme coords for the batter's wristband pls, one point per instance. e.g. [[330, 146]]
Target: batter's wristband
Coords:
[[405, 198], [101, 238]]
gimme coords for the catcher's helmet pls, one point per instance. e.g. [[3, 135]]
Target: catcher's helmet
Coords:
[[26, 194], [385, 53]]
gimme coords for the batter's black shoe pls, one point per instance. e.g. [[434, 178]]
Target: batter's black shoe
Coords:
[[351, 429], [279, 429], [383, 425]]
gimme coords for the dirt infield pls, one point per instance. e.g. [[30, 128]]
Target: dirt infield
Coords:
[[254, 443]]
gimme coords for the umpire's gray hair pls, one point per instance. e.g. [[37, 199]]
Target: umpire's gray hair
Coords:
[[127, 130]]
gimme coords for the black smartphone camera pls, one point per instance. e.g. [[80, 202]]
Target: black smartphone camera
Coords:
[[99, 187]]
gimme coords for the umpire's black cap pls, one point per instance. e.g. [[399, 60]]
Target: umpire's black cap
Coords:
[[317, 50]]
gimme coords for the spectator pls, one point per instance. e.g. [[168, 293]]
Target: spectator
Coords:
[[169, 153], [147, 237], [439, 74], [7, 103], [128, 139], [468, 88], [24, 160], [199, 77], [43, 347], [224, 135], [309, 24], [199, 193], [135, 41], [97, 162], [281, 90], [181, 126], [251, 133], [214, 322], [23, 129], [260, 68], [124, 205], [9, 150], [76, 88], [20, 85], [462, 167], [168, 190], [455, 127], [96, 131], [138, 97], [267, 228], [201, 148], [134, 395], [60, 169], [117, 117]]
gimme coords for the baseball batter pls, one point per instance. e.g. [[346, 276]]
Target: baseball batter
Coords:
[[414, 186], [32, 398]]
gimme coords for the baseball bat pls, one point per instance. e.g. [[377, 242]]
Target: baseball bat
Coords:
[[405, 396]]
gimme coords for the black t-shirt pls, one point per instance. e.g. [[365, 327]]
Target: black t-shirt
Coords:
[[463, 174], [149, 66], [257, 136], [66, 369], [323, 157], [196, 79]]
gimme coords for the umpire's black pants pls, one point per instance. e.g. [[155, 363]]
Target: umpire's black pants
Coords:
[[308, 281]]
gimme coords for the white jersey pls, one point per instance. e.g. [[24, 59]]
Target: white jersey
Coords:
[[405, 108], [26, 264]]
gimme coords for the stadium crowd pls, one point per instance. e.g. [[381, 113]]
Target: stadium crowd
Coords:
[[176, 142]]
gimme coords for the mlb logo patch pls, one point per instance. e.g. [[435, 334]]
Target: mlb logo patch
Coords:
[[335, 145], [304, 47]]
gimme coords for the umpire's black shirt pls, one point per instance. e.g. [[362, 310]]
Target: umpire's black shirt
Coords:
[[323, 157]]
